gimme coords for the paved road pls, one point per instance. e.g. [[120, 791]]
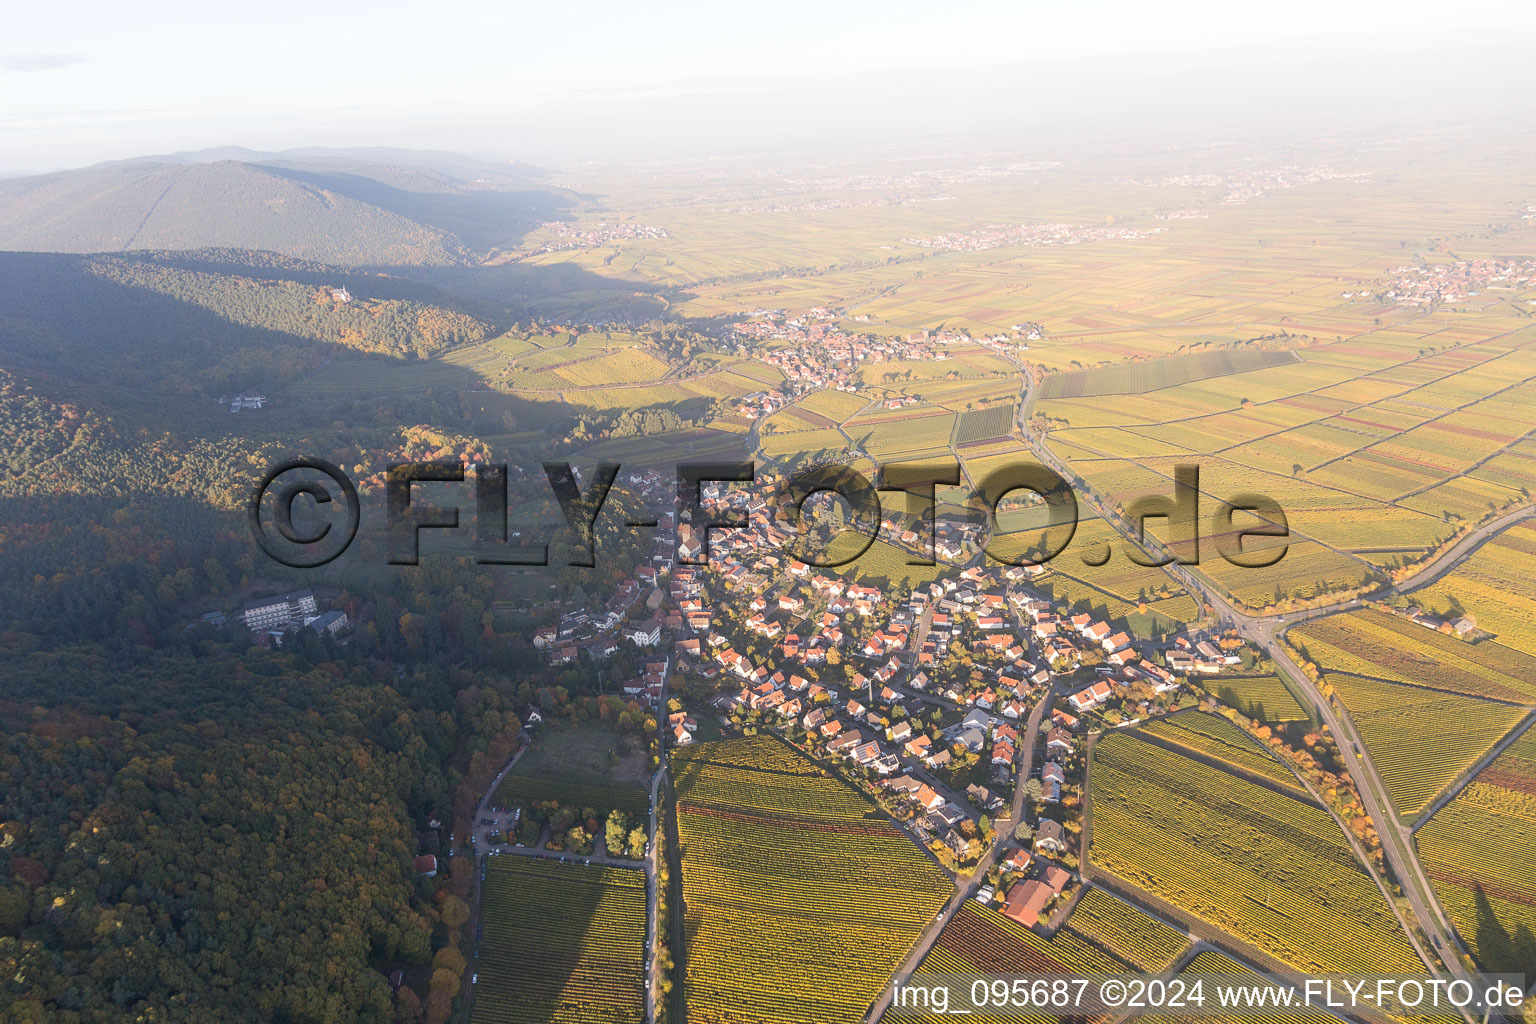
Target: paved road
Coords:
[[651, 895], [484, 849], [1268, 633], [1472, 773], [966, 888]]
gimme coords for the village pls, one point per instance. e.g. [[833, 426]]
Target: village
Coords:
[[815, 353], [963, 705]]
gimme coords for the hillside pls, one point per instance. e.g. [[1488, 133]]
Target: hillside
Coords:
[[341, 211], [207, 324]]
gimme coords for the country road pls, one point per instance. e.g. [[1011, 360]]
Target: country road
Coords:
[[966, 888], [652, 894], [485, 849], [1268, 633]]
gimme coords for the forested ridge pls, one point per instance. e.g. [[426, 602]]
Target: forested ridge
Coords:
[[189, 206], [193, 826], [157, 324]]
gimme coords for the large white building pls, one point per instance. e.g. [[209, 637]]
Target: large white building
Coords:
[[279, 612]]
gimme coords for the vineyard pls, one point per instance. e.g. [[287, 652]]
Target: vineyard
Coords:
[[1103, 936], [1421, 740], [1381, 445], [799, 876], [1125, 932], [1156, 374], [564, 944], [980, 425], [1214, 737], [1216, 965], [1496, 586], [1479, 855], [521, 790], [1273, 871], [1386, 646], [1264, 698]]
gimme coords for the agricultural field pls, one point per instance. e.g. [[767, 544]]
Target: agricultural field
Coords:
[[803, 444], [1223, 969], [1478, 853], [1125, 932], [522, 790], [904, 434], [980, 940], [1145, 599], [1420, 740], [1264, 698], [886, 565], [1272, 870], [835, 406], [1308, 568], [1212, 736], [798, 874], [1138, 378], [1374, 643], [982, 425], [564, 944], [1379, 447]]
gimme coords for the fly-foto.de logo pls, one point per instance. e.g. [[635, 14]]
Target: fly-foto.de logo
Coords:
[[305, 512]]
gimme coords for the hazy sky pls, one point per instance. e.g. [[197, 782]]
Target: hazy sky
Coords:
[[85, 81]]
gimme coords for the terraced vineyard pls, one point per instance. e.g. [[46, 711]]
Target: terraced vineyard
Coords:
[[1214, 737], [1421, 740], [1272, 870], [980, 940], [1264, 698], [1481, 859], [564, 944], [1386, 646], [796, 874]]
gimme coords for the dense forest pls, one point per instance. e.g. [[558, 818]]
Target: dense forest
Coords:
[[151, 324], [195, 826]]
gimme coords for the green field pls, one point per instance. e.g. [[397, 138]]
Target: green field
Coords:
[[593, 753], [521, 790], [564, 944]]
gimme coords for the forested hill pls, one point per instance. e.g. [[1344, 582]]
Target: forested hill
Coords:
[[210, 834], [336, 211], [208, 324], [107, 209]]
